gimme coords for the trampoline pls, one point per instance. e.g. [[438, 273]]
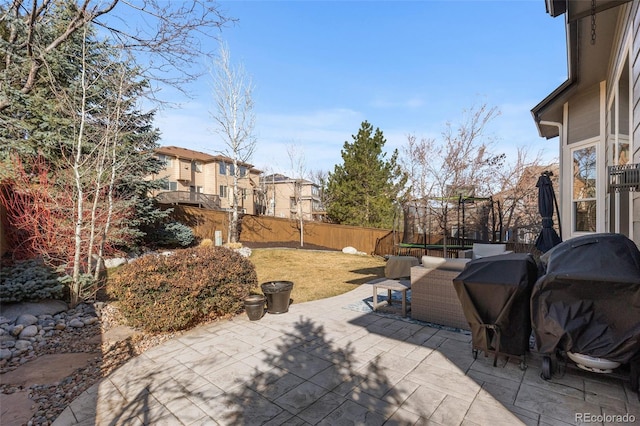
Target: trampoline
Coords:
[[473, 220]]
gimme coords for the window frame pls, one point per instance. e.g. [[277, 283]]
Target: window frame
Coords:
[[575, 199]]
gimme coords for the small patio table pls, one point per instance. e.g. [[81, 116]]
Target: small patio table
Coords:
[[392, 285]]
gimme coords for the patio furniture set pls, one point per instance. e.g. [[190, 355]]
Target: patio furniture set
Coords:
[[575, 303], [433, 297]]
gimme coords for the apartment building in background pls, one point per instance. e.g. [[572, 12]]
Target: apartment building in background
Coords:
[[205, 180], [289, 198]]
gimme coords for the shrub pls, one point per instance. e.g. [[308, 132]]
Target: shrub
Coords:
[[169, 293], [207, 242], [29, 280], [173, 234]]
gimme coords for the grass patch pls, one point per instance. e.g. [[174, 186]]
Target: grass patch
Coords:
[[315, 274]]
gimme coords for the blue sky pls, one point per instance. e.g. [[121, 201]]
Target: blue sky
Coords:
[[321, 68]]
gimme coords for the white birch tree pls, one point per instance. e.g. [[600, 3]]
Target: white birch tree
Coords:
[[299, 174], [234, 122]]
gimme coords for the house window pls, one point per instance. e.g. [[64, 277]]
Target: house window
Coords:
[[223, 191], [223, 168], [584, 189], [232, 169], [170, 186], [243, 171], [196, 166], [165, 160]]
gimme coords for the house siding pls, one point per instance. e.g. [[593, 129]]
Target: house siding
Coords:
[[634, 22], [209, 178], [584, 115]]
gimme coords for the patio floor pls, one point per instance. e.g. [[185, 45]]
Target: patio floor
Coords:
[[324, 363]]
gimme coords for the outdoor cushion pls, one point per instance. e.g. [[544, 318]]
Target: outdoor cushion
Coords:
[[481, 250], [449, 264]]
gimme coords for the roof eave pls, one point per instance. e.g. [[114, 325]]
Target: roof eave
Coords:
[[556, 7], [549, 109]]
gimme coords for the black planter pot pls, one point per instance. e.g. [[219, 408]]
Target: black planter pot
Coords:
[[278, 296], [254, 306]]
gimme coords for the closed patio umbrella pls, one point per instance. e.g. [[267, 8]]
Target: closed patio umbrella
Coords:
[[548, 238]]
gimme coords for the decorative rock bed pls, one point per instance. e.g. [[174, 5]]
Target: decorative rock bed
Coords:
[[29, 334]]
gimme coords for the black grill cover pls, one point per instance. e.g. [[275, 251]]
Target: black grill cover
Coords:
[[495, 294], [588, 302]]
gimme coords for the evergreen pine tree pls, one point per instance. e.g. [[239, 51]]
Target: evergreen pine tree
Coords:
[[44, 123], [363, 189]]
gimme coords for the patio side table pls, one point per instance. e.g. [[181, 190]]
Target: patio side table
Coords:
[[391, 285]]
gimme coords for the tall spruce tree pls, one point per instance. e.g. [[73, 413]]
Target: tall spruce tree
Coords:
[[363, 189]]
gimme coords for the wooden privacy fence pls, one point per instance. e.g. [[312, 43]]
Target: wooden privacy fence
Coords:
[[268, 229]]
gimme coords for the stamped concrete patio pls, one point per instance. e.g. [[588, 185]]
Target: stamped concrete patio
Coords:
[[322, 363]]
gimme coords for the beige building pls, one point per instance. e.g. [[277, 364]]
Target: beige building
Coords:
[[287, 198], [197, 178]]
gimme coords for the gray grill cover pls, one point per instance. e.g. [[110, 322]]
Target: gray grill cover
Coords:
[[588, 301], [495, 293]]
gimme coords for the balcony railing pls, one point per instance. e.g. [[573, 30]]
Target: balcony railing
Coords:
[[207, 201], [624, 178]]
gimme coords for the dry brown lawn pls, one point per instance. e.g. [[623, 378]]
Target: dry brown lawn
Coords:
[[315, 274]]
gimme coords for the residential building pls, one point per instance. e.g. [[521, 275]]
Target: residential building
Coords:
[[286, 197], [204, 180], [595, 114]]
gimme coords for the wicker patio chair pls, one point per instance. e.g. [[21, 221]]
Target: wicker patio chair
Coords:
[[433, 297]]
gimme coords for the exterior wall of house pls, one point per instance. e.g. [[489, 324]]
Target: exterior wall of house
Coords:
[[281, 200], [634, 18], [623, 118], [596, 114], [201, 173], [583, 167], [602, 124], [584, 115]]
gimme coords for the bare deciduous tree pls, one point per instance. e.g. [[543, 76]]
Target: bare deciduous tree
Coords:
[[235, 121], [459, 164], [166, 35], [299, 174], [516, 194]]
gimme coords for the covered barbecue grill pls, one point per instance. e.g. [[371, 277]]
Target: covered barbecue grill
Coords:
[[495, 294], [587, 304]]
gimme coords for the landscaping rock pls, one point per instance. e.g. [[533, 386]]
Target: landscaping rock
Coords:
[[115, 262], [40, 376], [349, 250], [21, 346], [11, 311], [76, 323], [26, 319], [28, 332]]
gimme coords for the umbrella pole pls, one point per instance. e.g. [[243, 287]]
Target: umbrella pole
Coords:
[[555, 201]]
